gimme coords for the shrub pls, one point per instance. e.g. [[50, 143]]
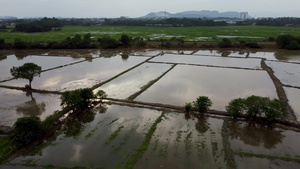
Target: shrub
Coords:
[[236, 107], [255, 106], [26, 130], [78, 99], [188, 107], [276, 110], [202, 104], [101, 94], [225, 43], [252, 45], [107, 42]]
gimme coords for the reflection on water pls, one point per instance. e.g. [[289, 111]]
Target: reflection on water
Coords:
[[108, 140], [249, 63], [31, 108], [254, 134], [293, 96], [185, 83], [15, 104]]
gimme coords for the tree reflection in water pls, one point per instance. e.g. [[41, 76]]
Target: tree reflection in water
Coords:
[[76, 124], [201, 125], [254, 134], [31, 108]]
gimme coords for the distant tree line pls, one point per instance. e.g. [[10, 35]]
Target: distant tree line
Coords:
[[290, 21], [172, 22], [43, 25]]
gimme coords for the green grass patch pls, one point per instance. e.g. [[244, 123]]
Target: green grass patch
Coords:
[[143, 147], [5, 147], [188, 33]]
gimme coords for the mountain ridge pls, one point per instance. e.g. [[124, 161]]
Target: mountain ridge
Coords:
[[195, 14]]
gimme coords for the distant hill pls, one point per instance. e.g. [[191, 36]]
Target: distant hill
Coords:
[[194, 14], [7, 17]]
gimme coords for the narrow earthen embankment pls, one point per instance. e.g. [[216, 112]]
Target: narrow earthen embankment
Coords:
[[279, 89]]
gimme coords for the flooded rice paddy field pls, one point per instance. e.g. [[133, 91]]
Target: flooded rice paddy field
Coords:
[[114, 136]]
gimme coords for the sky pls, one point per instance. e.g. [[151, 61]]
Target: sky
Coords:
[[137, 8]]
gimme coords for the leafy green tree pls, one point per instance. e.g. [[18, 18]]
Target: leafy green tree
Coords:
[[101, 94], [77, 99], [107, 42], [236, 107], [256, 105], [26, 130], [188, 107], [276, 110], [202, 104], [225, 43], [125, 40], [27, 71]]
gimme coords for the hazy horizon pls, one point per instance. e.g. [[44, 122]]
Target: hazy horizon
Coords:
[[138, 8]]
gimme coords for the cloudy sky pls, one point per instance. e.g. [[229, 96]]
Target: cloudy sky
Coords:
[[136, 8]]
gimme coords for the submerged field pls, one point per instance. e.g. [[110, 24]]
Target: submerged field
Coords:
[[114, 135], [188, 33]]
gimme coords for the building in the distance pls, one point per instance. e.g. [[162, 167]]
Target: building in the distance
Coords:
[[243, 15]]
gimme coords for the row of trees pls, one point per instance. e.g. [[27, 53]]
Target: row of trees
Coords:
[[271, 21], [252, 107], [43, 25], [173, 22]]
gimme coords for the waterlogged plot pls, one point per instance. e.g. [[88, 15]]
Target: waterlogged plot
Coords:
[[181, 142], [186, 83], [81, 75], [250, 140], [287, 73], [239, 53], [210, 61], [15, 104], [133, 81], [293, 96], [95, 139], [280, 55], [45, 62]]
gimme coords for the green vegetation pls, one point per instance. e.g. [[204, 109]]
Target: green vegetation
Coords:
[[188, 33], [77, 99], [225, 43], [188, 107], [143, 147], [288, 42], [26, 130], [27, 71], [202, 104], [271, 157], [256, 106], [43, 25]]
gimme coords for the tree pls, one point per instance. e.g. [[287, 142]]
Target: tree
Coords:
[[26, 130], [225, 43], [236, 107], [202, 104], [125, 40], [27, 71]]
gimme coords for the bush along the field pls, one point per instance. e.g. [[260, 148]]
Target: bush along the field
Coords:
[[188, 107], [288, 42], [202, 104], [80, 99], [225, 43], [256, 106], [26, 130]]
